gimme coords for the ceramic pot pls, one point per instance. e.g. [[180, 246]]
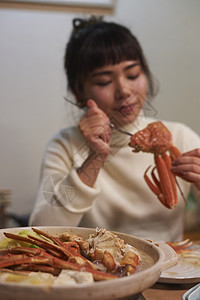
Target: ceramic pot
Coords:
[[161, 255]]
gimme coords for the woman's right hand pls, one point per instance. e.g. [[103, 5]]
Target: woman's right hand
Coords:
[[96, 130], [94, 127]]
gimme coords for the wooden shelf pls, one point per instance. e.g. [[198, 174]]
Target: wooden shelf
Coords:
[[56, 7]]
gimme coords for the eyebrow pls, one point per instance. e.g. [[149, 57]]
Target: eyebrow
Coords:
[[107, 72]]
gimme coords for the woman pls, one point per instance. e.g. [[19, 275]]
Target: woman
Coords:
[[90, 177]]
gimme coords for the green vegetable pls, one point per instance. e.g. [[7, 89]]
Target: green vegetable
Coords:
[[7, 243]]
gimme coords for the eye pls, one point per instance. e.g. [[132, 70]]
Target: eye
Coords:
[[104, 83], [133, 77]]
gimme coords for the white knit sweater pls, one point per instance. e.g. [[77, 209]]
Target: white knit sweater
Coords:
[[120, 199]]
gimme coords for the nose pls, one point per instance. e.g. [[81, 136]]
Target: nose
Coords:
[[122, 90]]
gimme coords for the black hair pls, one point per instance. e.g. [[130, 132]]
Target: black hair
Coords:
[[95, 43]]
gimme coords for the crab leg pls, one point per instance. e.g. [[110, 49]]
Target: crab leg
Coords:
[[174, 152], [156, 188], [168, 163], [165, 181], [37, 268], [178, 246], [40, 243], [61, 246], [157, 182], [98, 275], [16, 260], [183, 249], [53, 238], [24, 250], [55, 263], [57, 251], [165, 189]]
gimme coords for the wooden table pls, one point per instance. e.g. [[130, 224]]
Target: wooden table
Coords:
[[162, 291]]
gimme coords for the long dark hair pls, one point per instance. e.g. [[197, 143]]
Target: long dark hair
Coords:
[[95, 43]]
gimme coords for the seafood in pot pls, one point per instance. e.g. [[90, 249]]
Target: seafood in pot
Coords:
[[157, 139], [103, 255], [108, 249]]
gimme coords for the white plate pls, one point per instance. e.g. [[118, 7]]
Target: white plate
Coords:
[[186, 271]]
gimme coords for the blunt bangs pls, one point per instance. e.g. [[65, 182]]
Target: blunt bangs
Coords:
[[107, 49]]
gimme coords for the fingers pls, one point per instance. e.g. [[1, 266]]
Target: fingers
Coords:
[[94, 127], [194, 153], [92, 104], [188, 158], [190, 177], [187, 166], [94, 109], [95, 122]]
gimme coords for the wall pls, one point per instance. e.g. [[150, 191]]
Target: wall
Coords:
[[33, 82]]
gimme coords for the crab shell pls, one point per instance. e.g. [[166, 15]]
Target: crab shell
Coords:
[[112, 252], [155, 138]]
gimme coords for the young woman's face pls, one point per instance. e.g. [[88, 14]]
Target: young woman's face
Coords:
[[119, 90]]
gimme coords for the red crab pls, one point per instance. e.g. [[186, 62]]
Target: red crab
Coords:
[[157, 139]]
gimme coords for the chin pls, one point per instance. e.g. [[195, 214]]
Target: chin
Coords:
[[127, 119], [122, 119]]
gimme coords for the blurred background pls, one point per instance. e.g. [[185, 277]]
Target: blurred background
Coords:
[[33, 83]]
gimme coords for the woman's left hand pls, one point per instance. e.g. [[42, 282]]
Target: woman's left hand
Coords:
[[187, 166]]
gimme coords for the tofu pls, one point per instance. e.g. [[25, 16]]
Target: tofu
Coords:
[[70, 277]]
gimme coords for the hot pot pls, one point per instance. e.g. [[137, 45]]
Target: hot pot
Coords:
[[161, 255]]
